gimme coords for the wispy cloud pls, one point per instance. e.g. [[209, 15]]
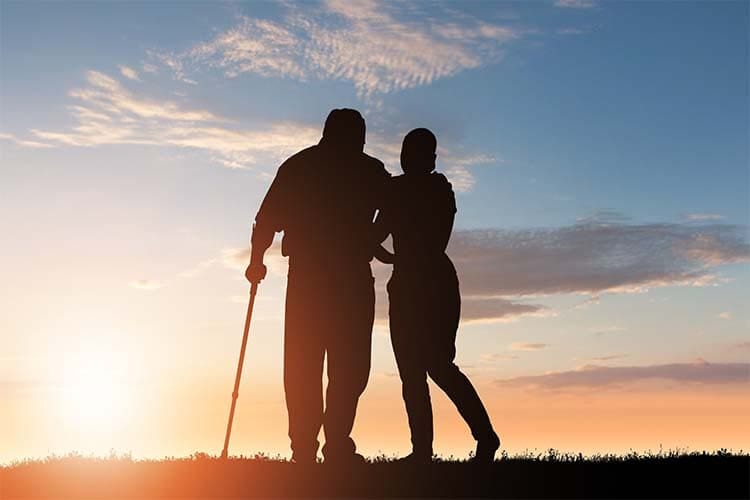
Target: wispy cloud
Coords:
[[605, 330], [23, 142], [129, 73], [526, 346], [455, 162], [610, 357], [593, 376], [149, 68], [570, 31], [106, 112], [174, 63], [379, 47], [495, 357], [724, 315], [144, 284], [591, 301], [575, 4], [704, 217], [235, 258]]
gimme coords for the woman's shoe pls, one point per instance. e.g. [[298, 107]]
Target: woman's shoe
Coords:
[[486, 449]]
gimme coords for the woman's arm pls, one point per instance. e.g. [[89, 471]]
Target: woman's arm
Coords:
[[443, 233]]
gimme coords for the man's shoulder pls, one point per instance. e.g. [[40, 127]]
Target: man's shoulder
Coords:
[[301, 157], [376, 166]]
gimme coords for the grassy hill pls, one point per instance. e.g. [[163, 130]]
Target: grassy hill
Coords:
[[550, 475]]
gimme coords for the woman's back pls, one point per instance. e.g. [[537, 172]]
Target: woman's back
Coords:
[[420, 215]]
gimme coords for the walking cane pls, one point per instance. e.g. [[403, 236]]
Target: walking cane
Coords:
[[248, 317]]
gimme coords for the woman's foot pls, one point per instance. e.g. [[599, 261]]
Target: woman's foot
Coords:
[[486, 449]]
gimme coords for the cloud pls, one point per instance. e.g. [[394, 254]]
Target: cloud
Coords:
[[379, 47], [593, 257], [526, 346], [172, 62], [144, 284], [724, 315], [570, 31], [575, 4], [493, 309], [198, 269], [594, 300], [593, 376], [254, 46], [742, 345], [459, 170], [23, 142], [456, 163], [604, 330], [497, 269], [106, 112], [495, 357], [610, 357], [235, 258], [475, 309], [129, 73], [703, 217]]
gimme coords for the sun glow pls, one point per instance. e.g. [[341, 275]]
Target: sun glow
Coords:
[[94, 394]]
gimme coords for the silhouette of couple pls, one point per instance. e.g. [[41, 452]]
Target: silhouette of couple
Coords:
[[325, 199]]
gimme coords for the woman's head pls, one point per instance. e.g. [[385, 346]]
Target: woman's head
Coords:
[[418, 152]]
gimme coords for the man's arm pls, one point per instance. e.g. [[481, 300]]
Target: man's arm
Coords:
[[381, 227], [268, 221], [381, 230], [260, 241]]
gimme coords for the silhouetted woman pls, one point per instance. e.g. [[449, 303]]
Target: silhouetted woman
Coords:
[[425, 302]]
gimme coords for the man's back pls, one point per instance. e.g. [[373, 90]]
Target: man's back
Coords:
[[324, 201]]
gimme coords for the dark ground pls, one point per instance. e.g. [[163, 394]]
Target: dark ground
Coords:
[[664, 475]]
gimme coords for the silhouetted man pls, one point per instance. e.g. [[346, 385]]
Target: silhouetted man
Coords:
[[425, 302], [324, 198]]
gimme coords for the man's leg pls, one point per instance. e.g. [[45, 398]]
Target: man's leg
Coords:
[[303, 368], [348, 345]]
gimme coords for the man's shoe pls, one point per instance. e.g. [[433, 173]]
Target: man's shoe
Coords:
[[486, 449]]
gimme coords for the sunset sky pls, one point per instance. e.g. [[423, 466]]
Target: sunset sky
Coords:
[[599, 151]]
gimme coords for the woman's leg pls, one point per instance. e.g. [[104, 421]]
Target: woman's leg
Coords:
[[460, 390], [448, 376]]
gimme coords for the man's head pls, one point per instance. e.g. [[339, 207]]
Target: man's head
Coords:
[[345, 130], [418, 152]]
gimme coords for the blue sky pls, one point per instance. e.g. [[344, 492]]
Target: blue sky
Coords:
[[599, 151]]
